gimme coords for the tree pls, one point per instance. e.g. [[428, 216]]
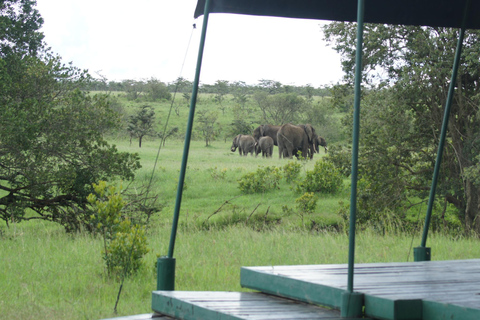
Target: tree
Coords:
[[51, 132], [270, 86], [221, 89], [132, 88], [156, 90], [280, 108], [405, 112], [141, 124], [240, 93], [207, 125]]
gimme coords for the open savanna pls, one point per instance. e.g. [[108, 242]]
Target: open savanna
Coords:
[[48, 274]]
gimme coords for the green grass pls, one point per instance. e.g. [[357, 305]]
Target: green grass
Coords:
[[47, 274]]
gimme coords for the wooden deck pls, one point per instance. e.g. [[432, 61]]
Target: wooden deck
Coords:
[[431, 290], [197, 305], [428, 290]]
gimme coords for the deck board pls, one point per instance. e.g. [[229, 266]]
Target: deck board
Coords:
[[196, 305], [389, 288]]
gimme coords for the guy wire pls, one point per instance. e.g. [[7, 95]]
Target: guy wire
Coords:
[[153, 171], [169, 113]]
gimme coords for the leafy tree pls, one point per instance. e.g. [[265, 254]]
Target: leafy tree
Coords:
[[132, 88], [221, 89], [270, 86], [207, 121], [402, 116], [279, 108], [181, 85], [157, 90], [51, 133], [240, 92], [141, 124]]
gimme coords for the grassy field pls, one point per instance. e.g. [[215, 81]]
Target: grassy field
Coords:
[[48, 274]]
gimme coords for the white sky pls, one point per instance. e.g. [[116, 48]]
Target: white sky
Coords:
[[149, 38]]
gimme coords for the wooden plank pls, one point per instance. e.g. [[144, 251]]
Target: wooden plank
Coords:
[[145, 316], [235, 306], [390, 289]]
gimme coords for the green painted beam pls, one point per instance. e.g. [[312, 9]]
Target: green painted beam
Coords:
[[291, 288], [443, 133], [382, 308], [432, 310]]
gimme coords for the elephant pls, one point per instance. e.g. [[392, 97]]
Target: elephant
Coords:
[[264, 145], [244, 143], [292, 138], [266, 130], [320, 141]]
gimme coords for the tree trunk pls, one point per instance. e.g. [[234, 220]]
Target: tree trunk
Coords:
[[472, 208], [140, 141]]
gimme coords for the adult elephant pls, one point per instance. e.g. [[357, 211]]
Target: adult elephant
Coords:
[[266, 130], [244, 143], [265, 146], [292, 138]]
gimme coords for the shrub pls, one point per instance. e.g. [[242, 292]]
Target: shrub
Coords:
[[262, 180], [124, 244], [291, 171], [323, 178], [307, 202]]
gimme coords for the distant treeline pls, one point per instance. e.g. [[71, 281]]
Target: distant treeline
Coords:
[[182, 85]]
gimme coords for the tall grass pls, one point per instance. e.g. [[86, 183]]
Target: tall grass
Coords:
[[48, 274]]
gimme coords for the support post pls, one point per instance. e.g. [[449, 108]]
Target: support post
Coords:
[[167, 272], [422, 253], [352, 302]]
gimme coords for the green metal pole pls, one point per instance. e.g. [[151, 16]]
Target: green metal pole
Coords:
[[166, 265], [352, 303], [422, 253]]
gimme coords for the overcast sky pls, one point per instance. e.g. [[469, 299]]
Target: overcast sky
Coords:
[[142, 39]]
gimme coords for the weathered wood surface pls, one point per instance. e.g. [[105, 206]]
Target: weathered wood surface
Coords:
[[389, 288], [196, 305], [145, 316]]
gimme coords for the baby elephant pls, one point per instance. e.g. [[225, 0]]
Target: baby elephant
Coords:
[[244, 143], [264, 145]]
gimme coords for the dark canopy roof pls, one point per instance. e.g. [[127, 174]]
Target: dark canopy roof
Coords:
[[435, 13]]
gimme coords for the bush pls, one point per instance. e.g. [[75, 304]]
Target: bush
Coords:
[[264, 179], [291, 171], [124, 244], [307, 202], [323, 178]]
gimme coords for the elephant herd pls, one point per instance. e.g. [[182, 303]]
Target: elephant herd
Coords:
[[290, 139]]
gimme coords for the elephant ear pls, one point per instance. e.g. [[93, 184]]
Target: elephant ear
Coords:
[[309, 131], [262, 130]]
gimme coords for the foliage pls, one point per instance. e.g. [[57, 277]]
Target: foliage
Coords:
[[341, 156], [217, 174], [324, 178], [208, 125], [132, 88], [262, 180], [156, 90], [124, 244], [306, 203], [279, 108], [221, 87], [408, 71], [51, 132], [291, 171], [141, 124]]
